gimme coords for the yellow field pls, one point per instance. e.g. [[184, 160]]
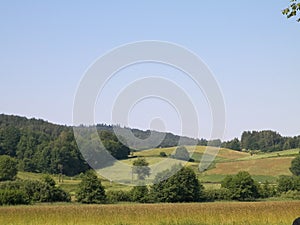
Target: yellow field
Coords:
[[234, 213]]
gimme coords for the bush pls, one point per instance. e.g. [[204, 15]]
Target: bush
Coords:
[[295, 195], [267, 190], [37, 191], [162, 154], [118, 196], [48, 192], [181, 153], [216, 194], [139, 194], [295, 166], [288, 183], [13, 197]]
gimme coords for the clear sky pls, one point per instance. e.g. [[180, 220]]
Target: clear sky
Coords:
[[252, 50]]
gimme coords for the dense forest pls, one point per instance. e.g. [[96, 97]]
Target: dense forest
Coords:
[[40, 146], [265, 141]]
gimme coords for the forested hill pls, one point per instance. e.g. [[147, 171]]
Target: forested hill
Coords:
[[40, 146]]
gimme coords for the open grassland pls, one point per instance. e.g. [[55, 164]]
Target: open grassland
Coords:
[[267, 167], [223, 153], [234, 213], [262, 167]]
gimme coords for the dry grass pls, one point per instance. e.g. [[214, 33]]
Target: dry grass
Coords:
[[230, 154], [260, 213]]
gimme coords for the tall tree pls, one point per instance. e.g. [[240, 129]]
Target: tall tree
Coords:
[[91, 189], [8, 168], [181, 153], [295, 166], [181, 187], [140, 167], [241, 186]]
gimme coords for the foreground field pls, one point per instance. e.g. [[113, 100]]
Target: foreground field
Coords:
[[258, 213]]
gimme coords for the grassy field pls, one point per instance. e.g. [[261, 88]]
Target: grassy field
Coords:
[[234, 213], [266, 166], [263, 166]]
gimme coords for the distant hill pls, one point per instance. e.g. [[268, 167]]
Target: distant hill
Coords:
[[41, 146]]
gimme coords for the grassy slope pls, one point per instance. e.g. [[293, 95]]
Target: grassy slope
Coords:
[[264, 166]]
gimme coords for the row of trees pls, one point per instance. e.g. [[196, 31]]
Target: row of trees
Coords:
[[265, 141]]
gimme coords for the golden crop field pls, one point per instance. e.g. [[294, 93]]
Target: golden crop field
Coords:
[[233, 213]]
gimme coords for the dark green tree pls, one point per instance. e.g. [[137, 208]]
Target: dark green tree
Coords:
[[288, 183], [8, 168], [139, 194], [241, 186], [214, 143], [140, 167], [112, 144], [233, 144], [181, 187], [181, 153], [295, 166], [91, 189], [9, 138], [48, 192]]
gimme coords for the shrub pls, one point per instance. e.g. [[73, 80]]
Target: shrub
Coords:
[[118, 196], [267, 190], [162, 154], [295, 195], [139, 194], [13, 197], [216, 194], [37, 191], [295, 166], [181, 153], [288, 183]]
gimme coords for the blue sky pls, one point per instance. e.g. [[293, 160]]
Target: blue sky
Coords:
[[252, 50]]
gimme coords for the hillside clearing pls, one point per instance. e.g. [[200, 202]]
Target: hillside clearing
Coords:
[[267, 167]]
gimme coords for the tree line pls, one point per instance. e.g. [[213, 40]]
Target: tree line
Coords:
[[40, 146], [265, 141]]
